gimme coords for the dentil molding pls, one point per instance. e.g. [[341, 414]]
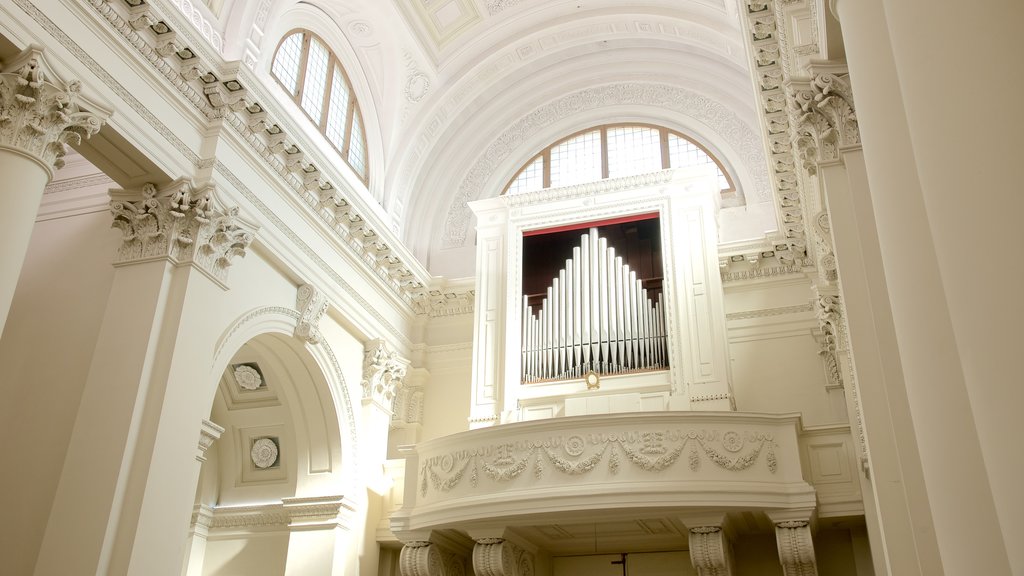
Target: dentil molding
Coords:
[[40, 114]]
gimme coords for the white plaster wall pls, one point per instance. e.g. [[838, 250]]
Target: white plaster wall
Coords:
[[647, 563], [45, 354], [252, 555]]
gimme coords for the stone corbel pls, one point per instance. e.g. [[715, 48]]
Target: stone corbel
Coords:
[[710, 549], [40, 113], [208, 434], [426, 558], [793, 537], [500, 557], [383, 373], [312, 305], [182, 223]]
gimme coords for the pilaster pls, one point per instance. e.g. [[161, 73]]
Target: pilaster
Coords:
[[384, 372], [319, 528]]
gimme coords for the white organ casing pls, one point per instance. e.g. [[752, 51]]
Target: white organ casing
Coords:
[[692, 302]]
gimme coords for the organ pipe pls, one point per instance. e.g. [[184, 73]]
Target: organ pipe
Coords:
[[596, 315]]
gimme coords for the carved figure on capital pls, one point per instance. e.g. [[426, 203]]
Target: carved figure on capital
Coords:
[[40, 113], [179, 222], [383, 374]]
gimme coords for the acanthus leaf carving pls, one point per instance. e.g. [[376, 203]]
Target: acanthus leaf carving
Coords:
[[383, 374], [40, 113], [822, 118], [179, 222]]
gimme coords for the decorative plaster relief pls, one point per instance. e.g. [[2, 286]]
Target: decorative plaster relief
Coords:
[[796, 549], [499, 557], [709, 551], [248, 377], [580, 454], [717, 117], [208, 434], [182, 223], [40, 113], [421, 558], [822, 118], [312, 305], [383, 372], [265, 453]]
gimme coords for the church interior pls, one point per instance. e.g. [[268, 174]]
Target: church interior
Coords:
[[510, 287]]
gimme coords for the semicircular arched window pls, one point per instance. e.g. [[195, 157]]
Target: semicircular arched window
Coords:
[[612, 151], [313, 76]]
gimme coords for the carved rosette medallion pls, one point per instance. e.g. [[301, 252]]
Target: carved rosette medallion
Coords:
[[264, 453], [247, 377], [181, 223], [40, 114], [383, 374]]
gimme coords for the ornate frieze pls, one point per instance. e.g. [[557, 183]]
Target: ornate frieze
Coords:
[[40, 114], [499, 557], [796, 549], [383, 373], [576, 455], [312, 305], [182, 223], [709, 551], [208, 434]]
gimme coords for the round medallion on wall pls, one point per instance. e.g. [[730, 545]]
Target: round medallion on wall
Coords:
[[574, 446], [732, 441], [247, 377], [264, 453]]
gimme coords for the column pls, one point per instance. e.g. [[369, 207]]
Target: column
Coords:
[[318, 541], [202, 515], [128, 484], [710, 549], [793, 537], [932, 150], [39, 115], [383, 374]]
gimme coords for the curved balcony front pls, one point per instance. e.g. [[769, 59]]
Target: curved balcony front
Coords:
[[621, 464]]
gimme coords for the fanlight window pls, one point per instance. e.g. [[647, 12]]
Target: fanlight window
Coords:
[[312, 75], [611, 152]]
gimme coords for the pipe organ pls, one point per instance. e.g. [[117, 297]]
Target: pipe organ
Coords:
[[596, 315]]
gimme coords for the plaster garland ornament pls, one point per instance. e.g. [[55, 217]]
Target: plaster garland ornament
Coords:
[[179, 222], [577, 455], [709, 551], [248, 378], [499, 557], [383, 374], [796, 548], [264, 453], [312, 305], [40, 114]]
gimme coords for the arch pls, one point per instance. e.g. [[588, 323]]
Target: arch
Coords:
[[281, 322]]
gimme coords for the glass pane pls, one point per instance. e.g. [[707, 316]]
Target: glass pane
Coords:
[[357, 149], [316, 80], [633, 150], [530, 179], [577, 160], [286, 62], [682, 154], [337, 110]]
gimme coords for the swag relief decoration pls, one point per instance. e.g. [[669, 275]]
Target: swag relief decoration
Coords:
[[580, 454]]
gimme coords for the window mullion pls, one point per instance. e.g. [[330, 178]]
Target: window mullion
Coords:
[[325, 109], [604, 153], [348, 124], [300, 83]]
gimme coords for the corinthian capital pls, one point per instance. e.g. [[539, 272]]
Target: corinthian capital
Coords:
[[181, 223], [40, 113], [822, 117], [383, 372]]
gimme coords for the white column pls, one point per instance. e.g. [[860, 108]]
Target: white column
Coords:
[[128, 484], [39, 114], [939, 158]]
